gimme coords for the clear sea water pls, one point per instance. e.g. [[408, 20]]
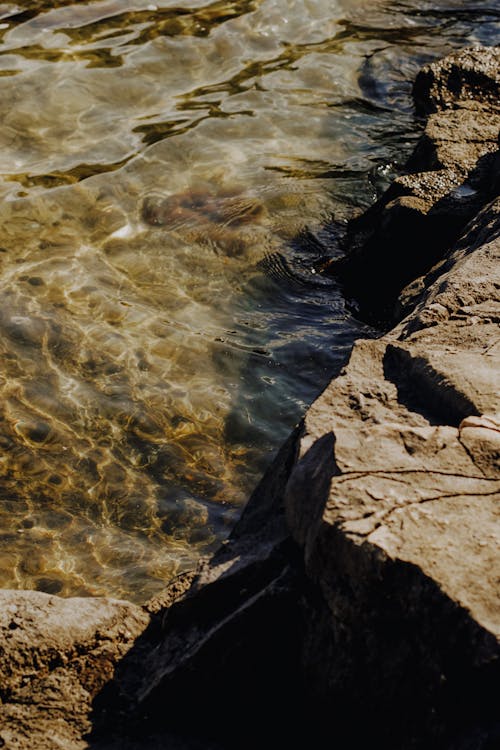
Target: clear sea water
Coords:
[[169, 175]]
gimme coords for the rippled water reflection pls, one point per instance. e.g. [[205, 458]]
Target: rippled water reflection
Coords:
[[168, 174]]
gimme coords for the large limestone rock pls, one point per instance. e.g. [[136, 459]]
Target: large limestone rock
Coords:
[[395, 497], [395, 501]]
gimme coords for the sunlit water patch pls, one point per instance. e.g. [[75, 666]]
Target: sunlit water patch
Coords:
[[169, 174]]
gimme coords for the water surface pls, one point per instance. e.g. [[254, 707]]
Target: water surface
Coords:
[[169, 172]]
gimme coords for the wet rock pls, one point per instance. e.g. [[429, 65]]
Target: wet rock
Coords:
[[452, 173]]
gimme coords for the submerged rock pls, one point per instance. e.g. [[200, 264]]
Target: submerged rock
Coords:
[[198, 207], [215, 219]]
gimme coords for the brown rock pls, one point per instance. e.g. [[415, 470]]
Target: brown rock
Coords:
[[452, 173], [468, 75], [56, 655], [395, 500]]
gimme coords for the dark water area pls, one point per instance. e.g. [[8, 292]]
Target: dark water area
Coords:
[[170, 178]]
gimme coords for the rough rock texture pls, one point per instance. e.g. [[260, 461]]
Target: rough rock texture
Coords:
[[359, 594], [399, 513], [454, 171], [55, 656], [467, 75]]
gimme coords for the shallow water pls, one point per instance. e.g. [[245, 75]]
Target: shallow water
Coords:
[[168, 175]]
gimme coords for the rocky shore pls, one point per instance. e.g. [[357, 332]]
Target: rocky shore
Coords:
[[358, 597]]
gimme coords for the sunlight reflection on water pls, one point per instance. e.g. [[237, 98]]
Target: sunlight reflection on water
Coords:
[[168, 174]]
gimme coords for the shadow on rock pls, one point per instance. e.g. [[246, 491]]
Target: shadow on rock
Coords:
[[453, 172], [220, 666]]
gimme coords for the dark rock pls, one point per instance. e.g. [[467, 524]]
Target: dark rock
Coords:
[[468, 75], [453, 172], [231, 641]]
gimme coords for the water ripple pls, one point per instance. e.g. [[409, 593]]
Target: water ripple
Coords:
[[174, 179]]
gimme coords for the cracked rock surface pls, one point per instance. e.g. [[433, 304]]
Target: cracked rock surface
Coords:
[[395, 501]]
